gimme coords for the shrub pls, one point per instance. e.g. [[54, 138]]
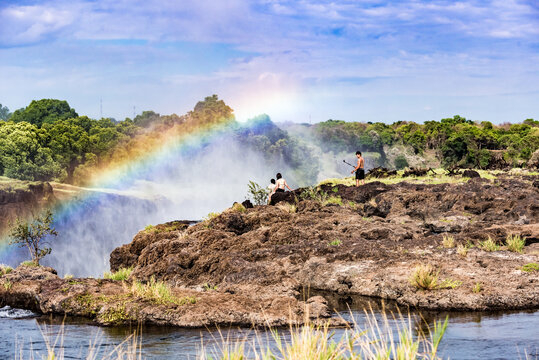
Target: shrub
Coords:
[[258, 193], [424, 278], [515, 243], [448, 241], [530, 267], [121, 275], [489, 245], [401, 162]]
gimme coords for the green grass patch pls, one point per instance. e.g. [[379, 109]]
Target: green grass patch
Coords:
[[530, 267], [333, 200], [5, 269], [335, 243], [121, 275], [159, 292], [29, 263], [477, 288], [239, 207]]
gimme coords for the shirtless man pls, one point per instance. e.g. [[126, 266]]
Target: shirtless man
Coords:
[[281, 183], [359, 169]]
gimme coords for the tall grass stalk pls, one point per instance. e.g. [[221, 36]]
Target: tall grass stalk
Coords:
[[377, 339]]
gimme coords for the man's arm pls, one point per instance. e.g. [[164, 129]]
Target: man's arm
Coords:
[[285, 184]]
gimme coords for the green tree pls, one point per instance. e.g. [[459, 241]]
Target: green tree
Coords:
[[401, 162], [4, 113], [44, 111], [146, 119], [33, 235]]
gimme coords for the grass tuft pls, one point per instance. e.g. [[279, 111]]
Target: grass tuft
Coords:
[[239, 207], [336, 200], [515, 243], [121, 275], [424, 277], [5, 269], [336, 242], [159, 292], [462, 250], [29, 263], [448, 241], [477, 288], [489, 245]]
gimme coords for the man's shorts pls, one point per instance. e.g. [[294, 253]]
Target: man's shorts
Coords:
[[360, 174]]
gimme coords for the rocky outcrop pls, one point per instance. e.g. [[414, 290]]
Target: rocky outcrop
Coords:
[[109, 302], [369, 245], [254, 266]]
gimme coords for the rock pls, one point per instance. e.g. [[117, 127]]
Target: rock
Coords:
[[247, 204], [533, 163], [470, 173]]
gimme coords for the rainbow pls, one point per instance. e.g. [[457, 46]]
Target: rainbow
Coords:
[[153, 148]]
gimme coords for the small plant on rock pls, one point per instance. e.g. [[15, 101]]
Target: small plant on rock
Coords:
[[333, 200], [448, 241], [208, 287], [450, 284], [7, 285], [489, 245], [477, 288], [336, 242], [515, 243], [462, 250], [68, 276], [4, 269], [424, 277], [530, 267]]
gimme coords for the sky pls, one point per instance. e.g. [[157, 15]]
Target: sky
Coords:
[[300, 61]]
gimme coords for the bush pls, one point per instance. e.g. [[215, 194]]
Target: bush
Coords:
[[258, 193], [401, 162]]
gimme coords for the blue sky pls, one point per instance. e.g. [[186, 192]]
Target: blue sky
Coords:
[[297, 61]]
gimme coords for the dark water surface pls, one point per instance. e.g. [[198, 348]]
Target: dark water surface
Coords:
[[472, 335]]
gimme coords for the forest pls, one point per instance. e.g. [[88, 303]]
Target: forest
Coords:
[[49, 140]]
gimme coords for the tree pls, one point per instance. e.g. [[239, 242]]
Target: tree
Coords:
[[4, 113], [33, 234], [44, 111], [401, 162]]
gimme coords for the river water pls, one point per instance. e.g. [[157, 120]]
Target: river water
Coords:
[[471, 335]]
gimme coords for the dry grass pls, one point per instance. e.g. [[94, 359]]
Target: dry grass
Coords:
[[159, 292], [287, 207], [462, 250], [448, 241]]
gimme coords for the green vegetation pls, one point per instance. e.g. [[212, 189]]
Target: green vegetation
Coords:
[[257, 193], [515, 243], [5, 269], [374, 340], [448, 241], [121, 275], [211, 216], [333, 200], [401, 162], [68, 276], [116, 315], [489, 245], [458, 141], [477, 288], [530, 267], [424, 277], [159, 292], [29, 263], [7, 285], [209, 287], [335, 242], [462, 250], [33, 234]]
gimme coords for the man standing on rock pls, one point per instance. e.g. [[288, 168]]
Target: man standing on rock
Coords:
[[359, 169]]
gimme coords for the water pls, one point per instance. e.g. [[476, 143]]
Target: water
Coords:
[[472, 335]]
